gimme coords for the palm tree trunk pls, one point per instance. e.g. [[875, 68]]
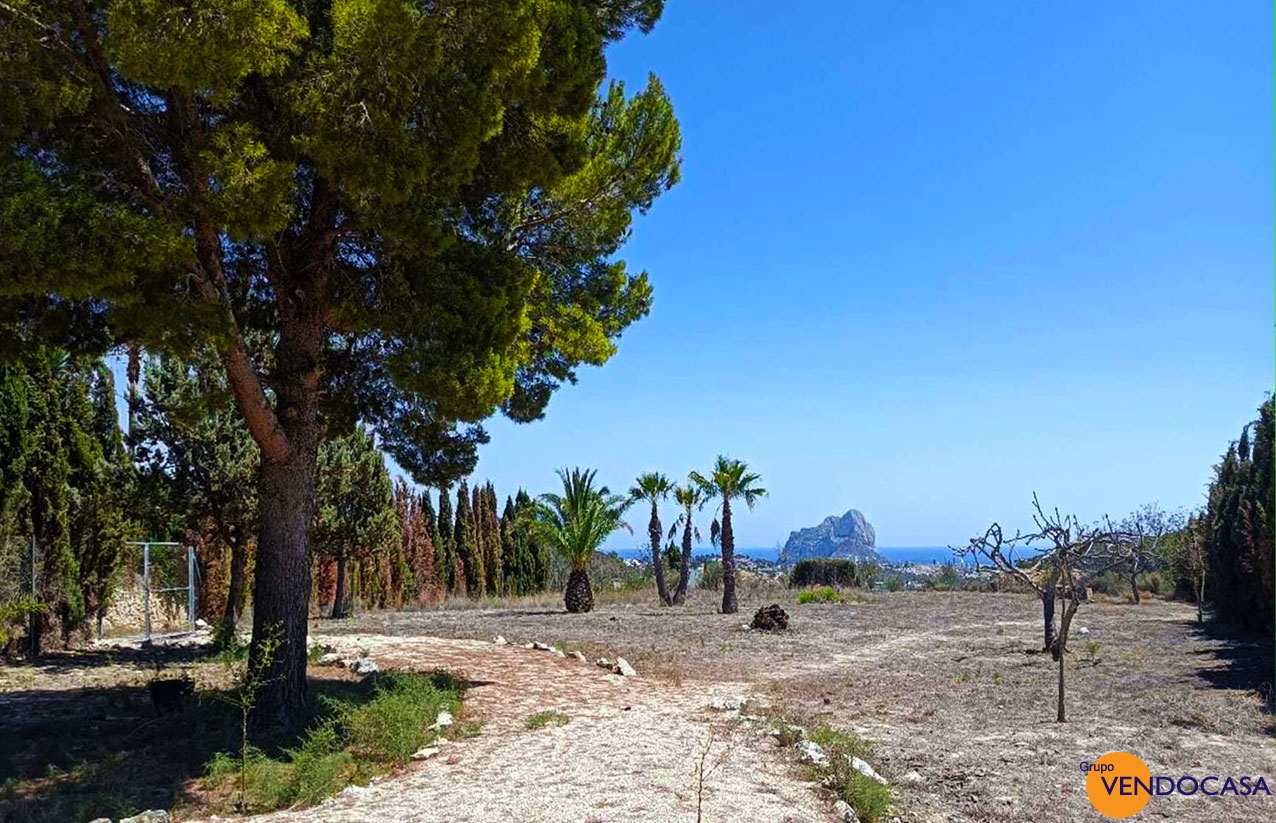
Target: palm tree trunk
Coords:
[[684, 567], [729, 605], [579, 597], [657, 562]]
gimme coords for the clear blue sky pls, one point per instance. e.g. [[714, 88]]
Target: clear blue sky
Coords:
[[929, 257]]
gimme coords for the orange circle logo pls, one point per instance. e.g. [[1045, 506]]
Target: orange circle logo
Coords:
[[1119, 784]]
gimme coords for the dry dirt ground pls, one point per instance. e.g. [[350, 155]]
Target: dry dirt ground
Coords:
[[949, 686]]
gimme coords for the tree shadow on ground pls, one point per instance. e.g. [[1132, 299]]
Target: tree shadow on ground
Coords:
[[83, 753], [1235, 660]]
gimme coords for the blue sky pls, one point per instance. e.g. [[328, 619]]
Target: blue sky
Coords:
[[927, 258]]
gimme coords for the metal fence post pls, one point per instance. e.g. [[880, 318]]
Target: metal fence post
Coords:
[[146, 587], [190, 586]]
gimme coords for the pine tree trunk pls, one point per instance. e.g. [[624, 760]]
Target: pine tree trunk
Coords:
[[235, 591], [684, 567], [281, 589], [657, 562], [339, 597], [728, 561], [579, 596]]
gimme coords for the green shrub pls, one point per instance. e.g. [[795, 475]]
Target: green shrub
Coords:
[[825, 571], [395, 723], [1111, 583], [711, 576], [894, 583], [350, 744], [826, 594], [870, 799]]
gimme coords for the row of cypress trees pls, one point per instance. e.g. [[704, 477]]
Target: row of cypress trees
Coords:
[[470, 549], [64, 481], [1236, 528]]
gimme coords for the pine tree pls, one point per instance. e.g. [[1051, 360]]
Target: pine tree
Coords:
[[421, 206], [466, 541]]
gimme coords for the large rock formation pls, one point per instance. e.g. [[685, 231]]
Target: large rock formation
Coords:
[[849, 536]]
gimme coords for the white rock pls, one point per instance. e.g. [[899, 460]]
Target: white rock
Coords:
[[426, 753], [444, 719], [500, 641], [1083, 631], [355, 791], [812, 752], [149, 816], [330, 659], [866, 770], [603, 663], [913, 776], [727, 704], [579, 657], [845, 813], [623, 668], [201, 623], [529, 645], [560, 653], [363, 665], [542, 647]]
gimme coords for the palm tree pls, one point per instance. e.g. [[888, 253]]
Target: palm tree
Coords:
[[576, 523], [691, 498], [653, 487], [729, 480]]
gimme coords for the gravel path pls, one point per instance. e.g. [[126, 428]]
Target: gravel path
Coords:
[[630, 752]]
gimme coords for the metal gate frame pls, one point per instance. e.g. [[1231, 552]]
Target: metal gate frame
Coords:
[[189, 588]]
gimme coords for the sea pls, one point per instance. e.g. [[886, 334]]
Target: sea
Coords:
[[896, 555]]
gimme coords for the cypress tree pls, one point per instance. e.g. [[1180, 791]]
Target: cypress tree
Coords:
[[466, 541], [494, 555], [444, 545], [438, 581]]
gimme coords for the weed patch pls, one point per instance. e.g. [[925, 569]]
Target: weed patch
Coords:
[[547, 718], [352, 741]]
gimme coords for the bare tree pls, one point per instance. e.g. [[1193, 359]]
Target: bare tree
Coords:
[[1057, 561], [1144, 537]]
